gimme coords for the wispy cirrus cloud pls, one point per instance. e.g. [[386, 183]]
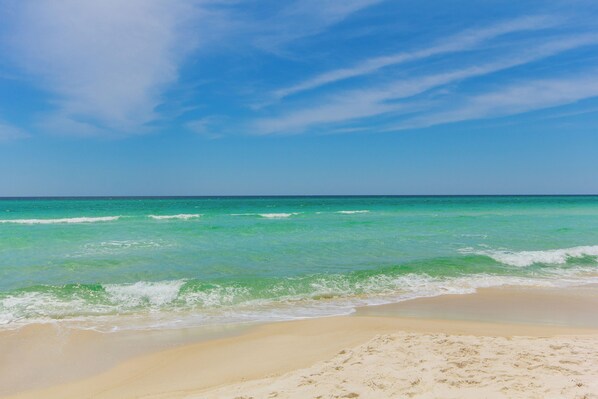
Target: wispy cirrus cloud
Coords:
[[303, 18], [209, 127], [105, 62], [111, 68], [9, 132], [514, 99], [462, 41], [351, 105]]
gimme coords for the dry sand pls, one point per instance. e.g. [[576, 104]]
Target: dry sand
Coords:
[[419, 365], [367, 356]]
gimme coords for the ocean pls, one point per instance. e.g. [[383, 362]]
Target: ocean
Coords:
[[142, 263]]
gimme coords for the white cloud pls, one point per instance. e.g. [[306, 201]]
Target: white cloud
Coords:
[[106, 62], [302, 18], [462, 41], [511, 100], [209, 127], [360, 103], [9, 132], [341, 109]]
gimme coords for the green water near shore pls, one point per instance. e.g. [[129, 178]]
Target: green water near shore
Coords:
[[187, 261]]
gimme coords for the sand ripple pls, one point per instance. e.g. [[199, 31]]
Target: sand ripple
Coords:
[[413, 365]]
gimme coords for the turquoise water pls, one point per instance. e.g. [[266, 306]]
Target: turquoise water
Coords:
[[146, 263]]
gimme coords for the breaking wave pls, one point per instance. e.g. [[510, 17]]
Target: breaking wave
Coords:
[[528, 258], [280, 215], [277, 215], [199, 302], [182, 216], [62, 220]]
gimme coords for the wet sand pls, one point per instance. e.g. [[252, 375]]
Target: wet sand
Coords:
[[436, 331], [571, 307]]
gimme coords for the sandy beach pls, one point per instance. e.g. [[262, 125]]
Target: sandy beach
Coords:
[[300, 199], [381, 352], [436, 365]]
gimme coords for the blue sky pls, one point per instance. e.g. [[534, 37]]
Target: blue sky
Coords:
[[161, 97]]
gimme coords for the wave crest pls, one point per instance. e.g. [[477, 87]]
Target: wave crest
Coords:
[[154, 294], [528, 258], [196, 301], [182, 216], [277, 215], [62, 220]]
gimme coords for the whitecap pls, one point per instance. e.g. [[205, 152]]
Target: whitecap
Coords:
[[528, 258], [216, 297], [353, 212], [62, 220], [267, 215], [182, 216], [155, 294], [118, 246], [277, 215], [164, 304]]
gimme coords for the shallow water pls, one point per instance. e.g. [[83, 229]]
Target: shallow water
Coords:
[[170, 262]]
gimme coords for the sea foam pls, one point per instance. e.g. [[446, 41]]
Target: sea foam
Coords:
[[182, 216], [154, 294], [62, 220], [353, 212], [192, 302], [268, 215], [528, 258], [277, 215]]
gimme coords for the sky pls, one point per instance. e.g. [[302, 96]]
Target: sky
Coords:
[[298, 97]]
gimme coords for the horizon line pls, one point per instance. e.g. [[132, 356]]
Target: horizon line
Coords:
[[288, 196]]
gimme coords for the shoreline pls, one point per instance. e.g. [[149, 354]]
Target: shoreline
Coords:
[[175, 361]]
